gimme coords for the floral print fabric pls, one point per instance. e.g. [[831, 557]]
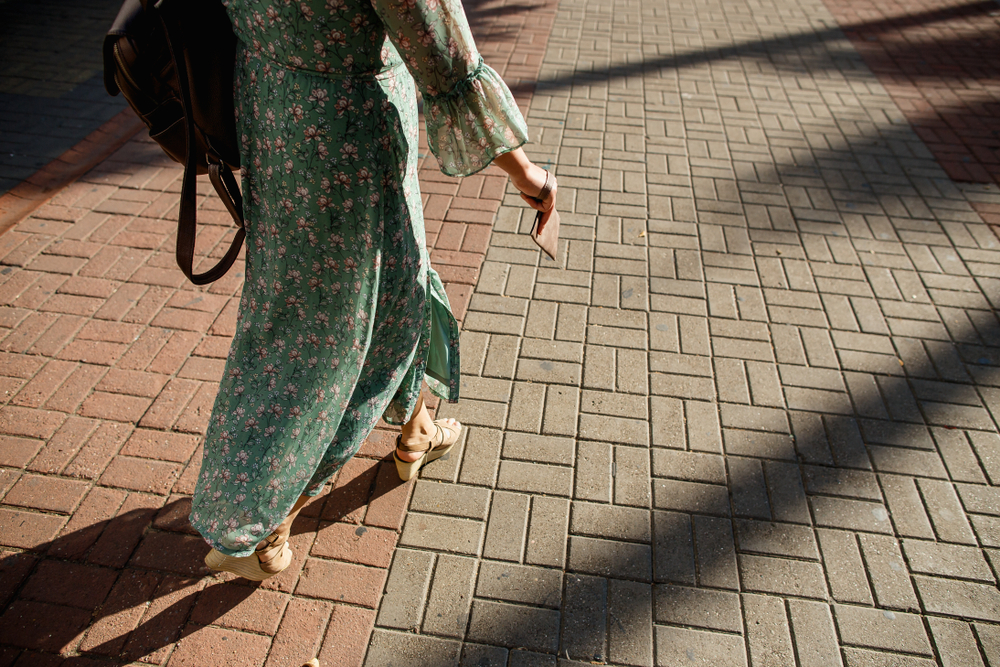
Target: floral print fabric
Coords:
[[341, 317]]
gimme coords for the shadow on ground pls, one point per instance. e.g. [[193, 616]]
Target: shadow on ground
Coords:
[[963, 134], [144, 563]]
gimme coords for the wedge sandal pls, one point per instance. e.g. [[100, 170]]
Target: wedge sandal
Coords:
[[268, 560], [446, 437]]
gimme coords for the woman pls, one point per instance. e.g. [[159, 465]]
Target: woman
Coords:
[[341, 318]]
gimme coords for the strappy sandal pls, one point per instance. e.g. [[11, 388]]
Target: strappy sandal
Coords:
[[271, 557], [446, 436]]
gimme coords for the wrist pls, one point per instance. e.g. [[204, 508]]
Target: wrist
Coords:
[[518, 167]]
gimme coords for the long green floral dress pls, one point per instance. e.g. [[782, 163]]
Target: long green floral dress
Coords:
[[341, 317]]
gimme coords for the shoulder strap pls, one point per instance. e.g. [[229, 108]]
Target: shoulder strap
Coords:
[[221, 176]]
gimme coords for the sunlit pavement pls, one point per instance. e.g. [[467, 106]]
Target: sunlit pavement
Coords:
[[748, 418]]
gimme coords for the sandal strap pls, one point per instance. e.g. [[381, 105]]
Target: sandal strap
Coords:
[[428, 445], [442, 429], [418, 447], [270, 548]]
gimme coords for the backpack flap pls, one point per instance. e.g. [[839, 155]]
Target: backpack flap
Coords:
[[130, 16]]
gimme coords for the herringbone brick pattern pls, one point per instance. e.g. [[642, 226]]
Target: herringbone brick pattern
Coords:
[[750, 416]]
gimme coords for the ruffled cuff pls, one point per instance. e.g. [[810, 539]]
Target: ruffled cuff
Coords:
[[473, 122]]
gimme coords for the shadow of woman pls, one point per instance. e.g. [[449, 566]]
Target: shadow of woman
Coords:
[[96, 591]]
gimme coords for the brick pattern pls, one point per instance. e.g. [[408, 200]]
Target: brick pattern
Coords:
[[51, 82], [25, 196], [936, 61], [109, 362], [750, 415]]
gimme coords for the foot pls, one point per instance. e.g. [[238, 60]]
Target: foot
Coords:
[[258, 566], [446, 435], [421, 429], [430, 435]]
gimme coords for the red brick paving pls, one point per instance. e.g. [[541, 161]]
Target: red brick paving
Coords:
[[937, 59], [33, 192], [109, 362]]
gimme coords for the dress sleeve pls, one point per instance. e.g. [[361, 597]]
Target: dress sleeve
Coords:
[[470, 114]]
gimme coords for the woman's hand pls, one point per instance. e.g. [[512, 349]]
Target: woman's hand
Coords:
[[527, 177]]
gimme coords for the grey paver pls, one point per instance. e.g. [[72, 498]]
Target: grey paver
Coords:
[[845, 570], [713, 610], [584, 610], [520, 583], [610, 521], [959, 598], [450, 499], [679, 645], [780, 539], [690, 497], [443, 533], [882, 629], [887, 572], [768, 636], [514, 626], [782, 576], [402, 604], [716, 553], [547, 530], [535, 478], [388, 647], [450, 596], [607, 558], [546, 449], [482, 655], [481, 458], [630, 635], [955, 642], [947, 560], [508, 525], [815, 637]]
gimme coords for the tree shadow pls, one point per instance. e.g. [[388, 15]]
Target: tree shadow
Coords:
[[960, 123], [134, 585], [896, 457], [890, 444], [488, 19]]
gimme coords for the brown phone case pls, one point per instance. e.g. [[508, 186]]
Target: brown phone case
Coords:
[[545, 231], [546, 234]]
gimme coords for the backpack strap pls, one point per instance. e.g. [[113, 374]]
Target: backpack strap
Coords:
[[220, 174]]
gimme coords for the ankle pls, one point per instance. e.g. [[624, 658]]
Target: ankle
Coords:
[[420, 428]]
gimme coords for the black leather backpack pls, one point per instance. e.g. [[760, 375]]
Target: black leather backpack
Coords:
[[173, 61]]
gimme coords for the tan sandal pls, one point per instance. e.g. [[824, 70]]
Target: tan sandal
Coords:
[[446, 437], [270, 558], [272, 555]]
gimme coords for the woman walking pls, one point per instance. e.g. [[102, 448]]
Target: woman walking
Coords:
[[342, 318]]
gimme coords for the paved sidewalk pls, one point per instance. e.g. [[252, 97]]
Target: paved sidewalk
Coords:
[[749, 418], [109, 363], [51, 81]]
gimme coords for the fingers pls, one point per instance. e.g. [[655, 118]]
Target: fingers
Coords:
[[541, 223], [548, 204], [533, 203]]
